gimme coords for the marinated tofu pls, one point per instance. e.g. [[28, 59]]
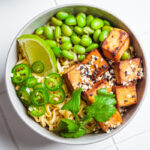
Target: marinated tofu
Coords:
[[125, 95], [112, 123], [90, 94], [95, 63], [128, 70], [115, 44]]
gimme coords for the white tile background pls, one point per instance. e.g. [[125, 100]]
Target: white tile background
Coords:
[[14, 134]]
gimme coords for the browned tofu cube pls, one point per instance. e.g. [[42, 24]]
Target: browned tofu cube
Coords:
[[96, 63], [125, 95], [113, 122], [115, 44], [90, 94], [128, 70]]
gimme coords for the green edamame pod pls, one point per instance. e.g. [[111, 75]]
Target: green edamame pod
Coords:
[[96, 35], [91, 47], [39, 31], [81, 21], [78, 30], [51, 43], [125, 56], [57, 51], [57, 32], [48, 31], [81, 57], [107, 23], [109, 28], [70, 20], [97, 23], [86, 40], [79, 49], [66, 46], [66, 30], [68, 54], [89, 19], [65, 39], [56, 21], [88, 30], [75, 39], [103, 35], [62, 15]]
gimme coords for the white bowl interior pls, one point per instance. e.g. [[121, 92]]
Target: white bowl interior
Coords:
[[12, 59]]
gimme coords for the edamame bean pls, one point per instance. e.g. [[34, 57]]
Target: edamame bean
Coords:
[[65, 39], [82, 14], [75, 39], [106, 23], [78, 30], [57, 51], [66, 46], [39, 31], [97, 23], [57, 32], [125, 56], [62, 15], [56, 21], [68, 54], [79, 49], [89, 19], [81, 21], [88, 30], [96, 35], [66, 30], [70, 20], [51, 43], [91, 47], [48, 31], [81, 57], [86, 40], [109, 28], [103, 35]]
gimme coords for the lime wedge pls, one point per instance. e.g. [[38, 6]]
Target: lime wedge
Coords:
[[36, 49]]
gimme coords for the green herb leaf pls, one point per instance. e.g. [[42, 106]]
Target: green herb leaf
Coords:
[[103, 108], [103, 91], [73, 104], [68, 125], [77, 134]]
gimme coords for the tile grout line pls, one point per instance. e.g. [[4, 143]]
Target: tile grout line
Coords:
[[8, 128], [114, 143]]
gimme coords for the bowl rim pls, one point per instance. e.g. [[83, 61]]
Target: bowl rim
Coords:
[[76, 142]]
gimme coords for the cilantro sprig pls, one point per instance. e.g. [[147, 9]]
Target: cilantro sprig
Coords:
[[102, 109]]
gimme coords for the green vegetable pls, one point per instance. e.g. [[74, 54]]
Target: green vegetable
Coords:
[[88, 30], [106, 23], [70, 20], [79, 49], [78, 30], [56, 21], [81, 21], [96, 35], [65, 39], [39, 31], [66, 46], [51, 43], [125, 56], [89, 19], [48, 31], [31, 82], [39, 86], [68, 54], [97, 23], [103, 35], [103, 108], [109, 28], [82, 14], [62, 15], [92, 47], [81, 57], [67, 31], [57, 32], [37, 67], [75, 39], [57, 51], [86, 40]]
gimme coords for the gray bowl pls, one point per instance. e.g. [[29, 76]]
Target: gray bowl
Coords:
[[40, 20]]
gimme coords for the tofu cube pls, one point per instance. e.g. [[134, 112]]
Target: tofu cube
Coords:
[[125, 95], [96, 63], [115, 44], [90, 94], [113, 122], [128, 70]]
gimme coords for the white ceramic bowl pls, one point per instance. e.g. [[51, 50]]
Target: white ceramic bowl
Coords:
[[41, 19]]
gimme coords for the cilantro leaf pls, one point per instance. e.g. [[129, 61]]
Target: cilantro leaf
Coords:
[[103, 108], [103, 91], [77, 134], [68, 125], [73, 104]]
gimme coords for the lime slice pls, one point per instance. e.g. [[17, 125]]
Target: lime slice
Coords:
[[36, 49]]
